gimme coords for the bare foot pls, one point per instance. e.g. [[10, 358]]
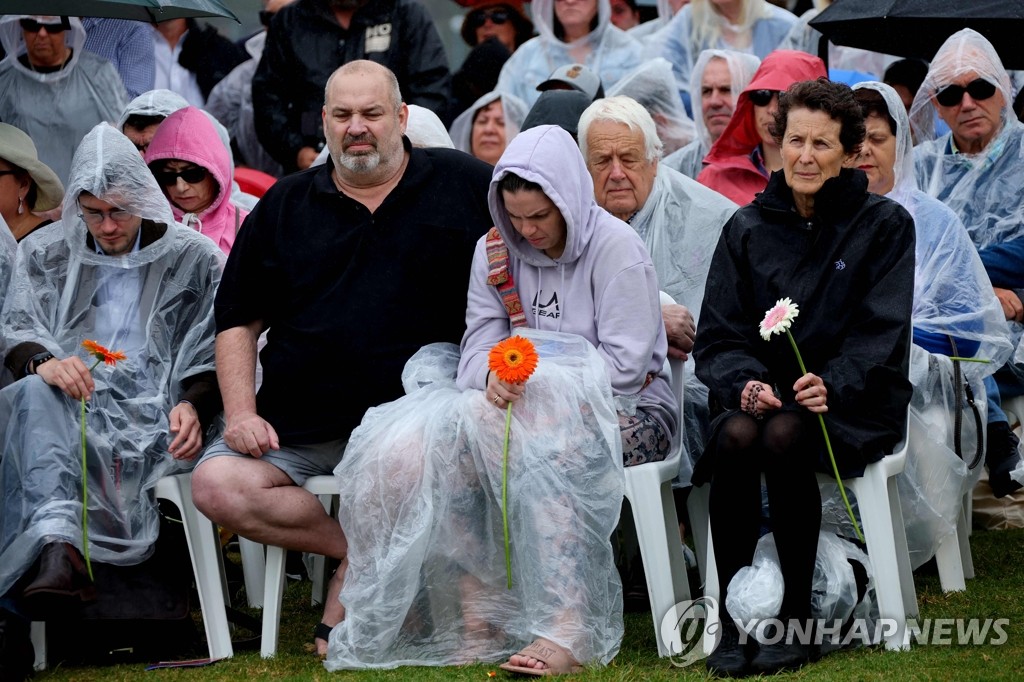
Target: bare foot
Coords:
[[544, 654], [334, 610]]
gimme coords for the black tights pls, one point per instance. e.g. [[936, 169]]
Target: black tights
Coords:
[[780, 447]]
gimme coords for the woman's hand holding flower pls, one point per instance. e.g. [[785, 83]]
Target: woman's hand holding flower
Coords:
[[811, 393], [501, 393], [70, 375]]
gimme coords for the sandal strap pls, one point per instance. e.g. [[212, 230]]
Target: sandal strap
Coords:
[[554, 656], [322, 631]]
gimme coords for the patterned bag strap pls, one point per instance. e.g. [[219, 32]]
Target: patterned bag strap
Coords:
[[499, 276]]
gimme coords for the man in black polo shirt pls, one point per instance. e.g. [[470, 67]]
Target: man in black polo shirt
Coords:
[[352, 266]]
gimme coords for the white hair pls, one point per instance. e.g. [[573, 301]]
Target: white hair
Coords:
[[706, 22], [624, 110]]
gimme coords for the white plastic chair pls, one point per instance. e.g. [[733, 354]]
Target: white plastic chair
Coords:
[[204, 550], [326, 488], [881, 519]]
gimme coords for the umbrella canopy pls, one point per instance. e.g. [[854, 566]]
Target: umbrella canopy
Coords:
[[138, 10], [917, 28]]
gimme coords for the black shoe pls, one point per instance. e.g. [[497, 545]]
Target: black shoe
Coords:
[[16, 654], [1002, 457], [773, 658], [62, 582], [730, 658]]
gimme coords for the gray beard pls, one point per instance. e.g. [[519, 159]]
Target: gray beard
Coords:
[[359, 163]]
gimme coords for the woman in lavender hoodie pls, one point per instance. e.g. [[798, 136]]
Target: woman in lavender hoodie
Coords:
[[421, 477]]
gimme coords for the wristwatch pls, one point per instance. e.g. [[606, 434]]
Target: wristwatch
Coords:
[[39, 358]]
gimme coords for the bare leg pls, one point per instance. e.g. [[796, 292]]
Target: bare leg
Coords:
[[334, 610]]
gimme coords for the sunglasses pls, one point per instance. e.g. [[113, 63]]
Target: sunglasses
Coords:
[[94, 218], [192, 175], [497, 17], [33, 26], [761, 98], [978, 89]]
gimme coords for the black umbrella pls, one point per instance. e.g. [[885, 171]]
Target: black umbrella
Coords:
[[139, 10], [917, 28]]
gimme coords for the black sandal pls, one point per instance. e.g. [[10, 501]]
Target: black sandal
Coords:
[[322, 631]]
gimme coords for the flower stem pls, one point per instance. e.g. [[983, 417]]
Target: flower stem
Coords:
[[981, 360], [85, 492], [828, 445], [504, 495]]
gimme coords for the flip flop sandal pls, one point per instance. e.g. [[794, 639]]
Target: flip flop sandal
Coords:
[[559, 662], [322, 631]]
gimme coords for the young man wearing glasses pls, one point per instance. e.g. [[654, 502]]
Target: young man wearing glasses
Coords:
[[975, 169]]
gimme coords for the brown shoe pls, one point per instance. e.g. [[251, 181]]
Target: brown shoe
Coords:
[[61, 582]]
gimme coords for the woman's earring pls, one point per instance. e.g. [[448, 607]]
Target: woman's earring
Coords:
[[21, 205]]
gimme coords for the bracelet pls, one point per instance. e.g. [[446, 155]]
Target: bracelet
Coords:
[[750, 406]]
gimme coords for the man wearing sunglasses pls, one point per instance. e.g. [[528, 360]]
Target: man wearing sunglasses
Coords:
[[52, 88], [976, 169]]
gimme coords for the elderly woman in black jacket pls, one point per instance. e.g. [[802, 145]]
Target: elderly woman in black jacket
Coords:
[[846, 257]]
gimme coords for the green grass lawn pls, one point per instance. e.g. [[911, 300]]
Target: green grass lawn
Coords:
[[996, 592]]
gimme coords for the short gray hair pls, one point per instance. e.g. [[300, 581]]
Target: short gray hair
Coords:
[[365, 66], [627, 111]]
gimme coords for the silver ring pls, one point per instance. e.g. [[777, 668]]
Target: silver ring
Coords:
[[496, 399]]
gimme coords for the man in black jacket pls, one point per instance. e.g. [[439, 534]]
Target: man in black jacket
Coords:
[[308, 40]]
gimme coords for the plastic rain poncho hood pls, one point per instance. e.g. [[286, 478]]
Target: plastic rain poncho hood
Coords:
[[155, 304], [610, 52], [952, 296], [690, 159], [978, 187], [161, 103], [653, 86], [514, 111], [57, 109]]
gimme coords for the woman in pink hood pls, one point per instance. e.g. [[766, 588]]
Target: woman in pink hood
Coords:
[[742, 159], [193, 167]]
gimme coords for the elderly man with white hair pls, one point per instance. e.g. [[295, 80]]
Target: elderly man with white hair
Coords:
[[678, 219], [975, 169], [717, 79]]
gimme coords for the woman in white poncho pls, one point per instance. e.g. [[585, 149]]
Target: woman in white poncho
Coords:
[[955, 314], [486, 128], [149, 295]]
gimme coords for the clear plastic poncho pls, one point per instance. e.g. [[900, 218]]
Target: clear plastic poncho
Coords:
[[690, 159], [649, 28], [654, 87], [155, 304], [608, 51], [805, 37], [57, 109], [514, 110], [680, 224], [7, 248], [420, 485], [952, 296], [980, 188]]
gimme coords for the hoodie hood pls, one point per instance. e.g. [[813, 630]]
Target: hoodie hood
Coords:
[[548, 156], [544, 19], [514, 111], [189, 135], [778, 71]]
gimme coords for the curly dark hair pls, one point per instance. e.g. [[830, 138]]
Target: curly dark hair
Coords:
[[835, 99]]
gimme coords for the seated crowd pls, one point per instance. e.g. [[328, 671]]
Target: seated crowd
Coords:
[[216, 277]]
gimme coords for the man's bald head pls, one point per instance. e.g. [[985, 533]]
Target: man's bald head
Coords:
[[364, 67]]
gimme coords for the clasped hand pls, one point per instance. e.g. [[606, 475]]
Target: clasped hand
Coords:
[[758, 397]]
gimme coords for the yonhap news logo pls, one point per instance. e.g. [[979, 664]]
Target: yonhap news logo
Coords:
[[691, 630]]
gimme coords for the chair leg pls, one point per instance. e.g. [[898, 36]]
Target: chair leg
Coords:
[[253, 570], [657, 529], [697, 505], [38, 635], [273, 595], [950, 564], [204, 550]]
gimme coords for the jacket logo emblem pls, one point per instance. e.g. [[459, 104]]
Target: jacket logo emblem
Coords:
[[378, 38], [840, 265], [549, 309]]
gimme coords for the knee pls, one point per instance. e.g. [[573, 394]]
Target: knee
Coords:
[[738, 435], [216, 492]]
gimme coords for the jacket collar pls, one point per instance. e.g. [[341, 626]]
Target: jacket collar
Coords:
[[837, 198]]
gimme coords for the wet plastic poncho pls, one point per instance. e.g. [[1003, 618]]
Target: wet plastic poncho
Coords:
[[421, 490], [152, 103], [680, 224], [7, 248], [805, 37], [675, 42], [653, 86], [514, 111], [690, 159], [652, 26], [610, 52], [230, 102], [57, 109], [980, 188], [952, 296], [155, 304]]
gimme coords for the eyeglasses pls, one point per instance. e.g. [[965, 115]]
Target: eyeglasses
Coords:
[[190, 175], [497, 17], [761, 98], [978, 89], [33, 26], [93, 217]]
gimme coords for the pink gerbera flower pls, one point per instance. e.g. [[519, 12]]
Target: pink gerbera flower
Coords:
[[778, 318]]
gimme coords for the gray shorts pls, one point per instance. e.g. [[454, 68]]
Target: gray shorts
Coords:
[[298, 461]]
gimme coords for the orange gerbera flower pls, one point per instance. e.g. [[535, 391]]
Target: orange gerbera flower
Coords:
[[110, 357], [513, 359]]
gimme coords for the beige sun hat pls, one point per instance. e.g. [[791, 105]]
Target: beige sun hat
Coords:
[[18, 149]]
